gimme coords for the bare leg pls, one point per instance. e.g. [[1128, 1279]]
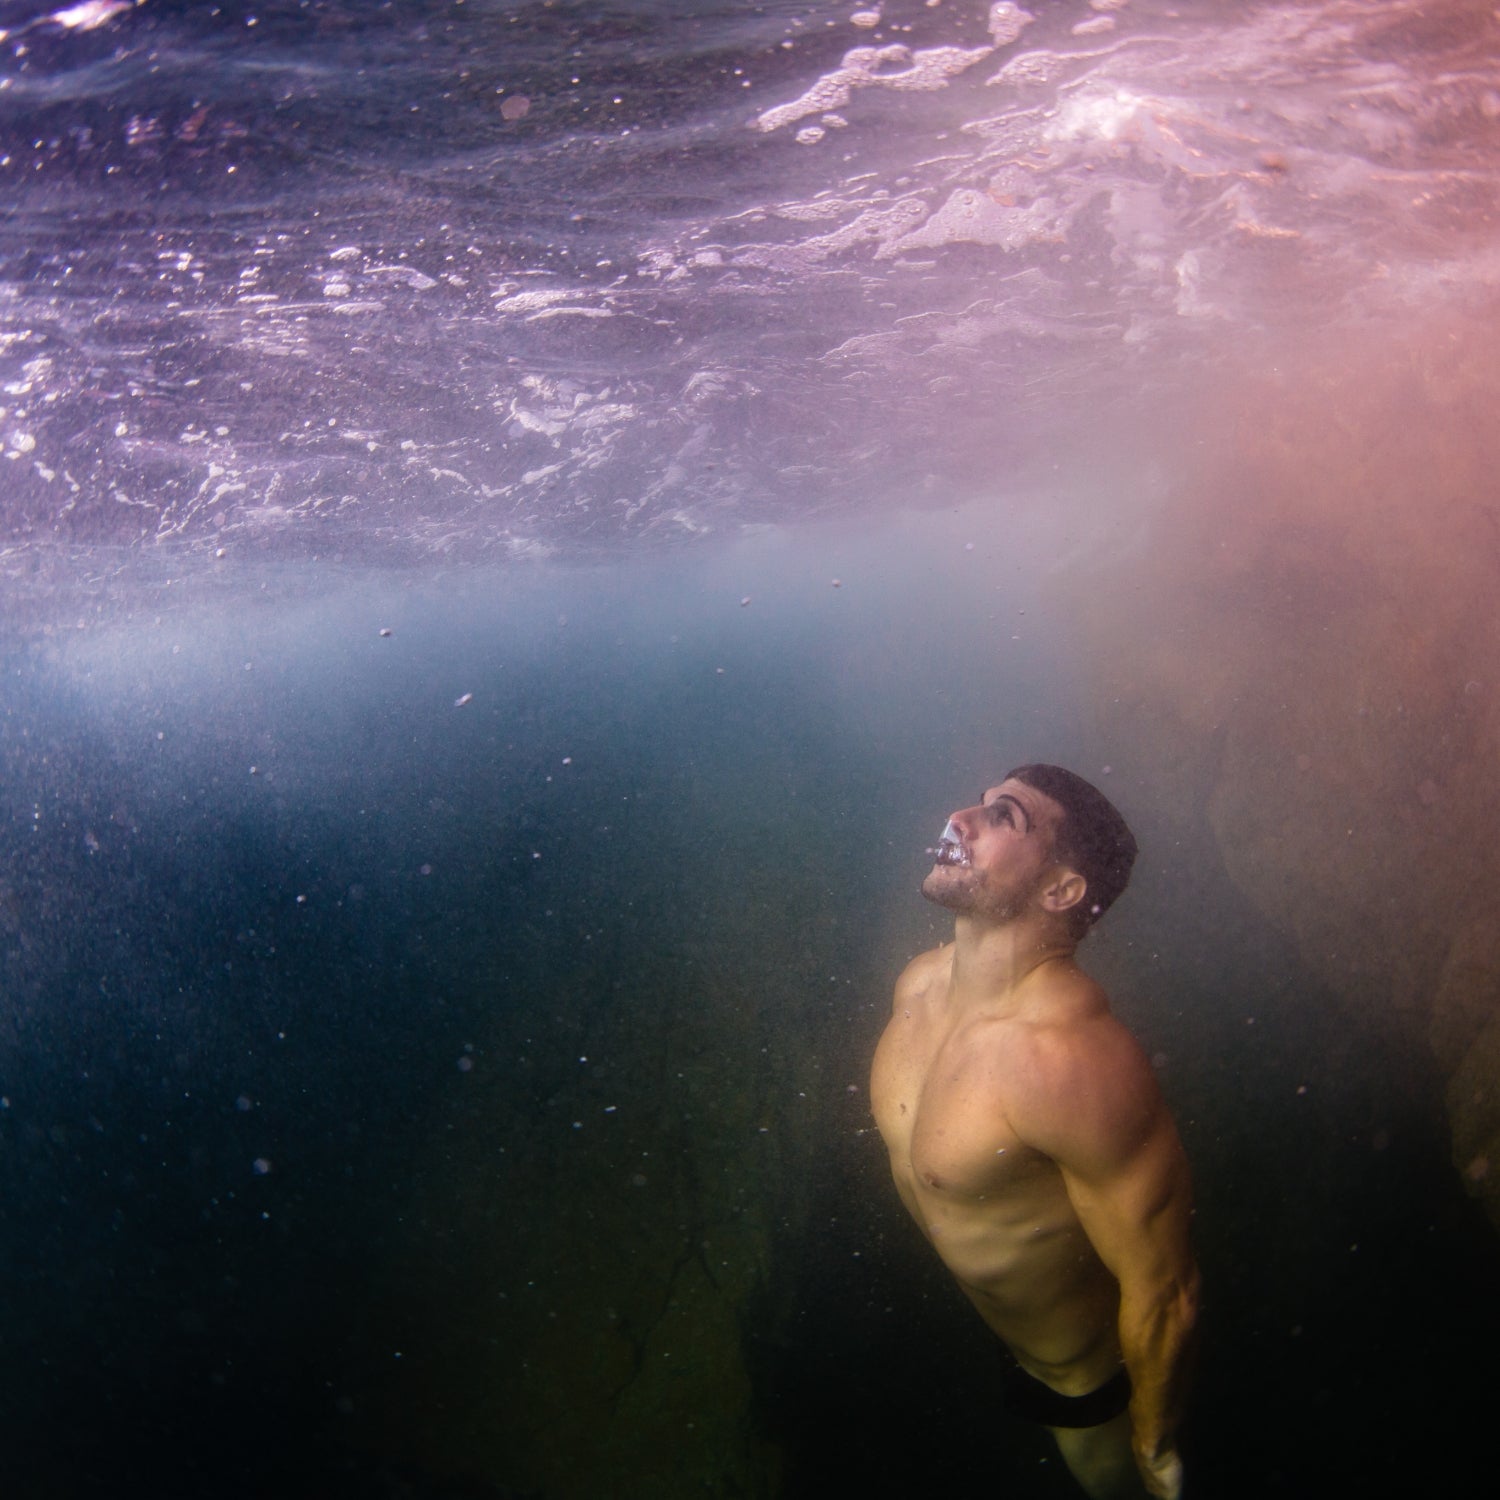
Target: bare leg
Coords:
[[1100, 1459]]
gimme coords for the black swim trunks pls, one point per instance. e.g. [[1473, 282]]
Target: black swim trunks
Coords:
[[1026, 1396]]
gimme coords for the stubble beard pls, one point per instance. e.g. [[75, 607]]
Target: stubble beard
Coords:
[[965, 896], [941, 888]]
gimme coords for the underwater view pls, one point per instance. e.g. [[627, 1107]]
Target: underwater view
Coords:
[[521, 520]]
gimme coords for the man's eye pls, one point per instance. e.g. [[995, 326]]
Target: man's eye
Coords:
[[1001, 810]]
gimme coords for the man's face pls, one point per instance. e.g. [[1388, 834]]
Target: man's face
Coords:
[[995, 855]]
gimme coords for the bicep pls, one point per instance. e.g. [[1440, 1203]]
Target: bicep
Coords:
[[1134, 1201], [1093, 1106]]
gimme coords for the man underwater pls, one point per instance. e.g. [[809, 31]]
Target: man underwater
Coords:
[[1030, 1142]]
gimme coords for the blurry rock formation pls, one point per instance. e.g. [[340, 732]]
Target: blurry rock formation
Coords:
[[1309, 646]]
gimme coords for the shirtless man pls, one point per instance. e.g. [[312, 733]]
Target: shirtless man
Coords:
[[1028, 1138]]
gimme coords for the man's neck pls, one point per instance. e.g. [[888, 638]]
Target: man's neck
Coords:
[[992, 961]]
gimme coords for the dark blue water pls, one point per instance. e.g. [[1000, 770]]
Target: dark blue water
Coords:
[[390, 1085], [517, 524]]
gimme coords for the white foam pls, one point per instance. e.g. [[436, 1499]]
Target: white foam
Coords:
[[894, 67], [973, 217], [1007, 22], [89, 15]]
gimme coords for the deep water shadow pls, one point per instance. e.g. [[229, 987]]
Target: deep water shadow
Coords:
[[1349, 1309]]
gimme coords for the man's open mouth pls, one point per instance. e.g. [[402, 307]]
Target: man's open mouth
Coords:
[[950, 848]]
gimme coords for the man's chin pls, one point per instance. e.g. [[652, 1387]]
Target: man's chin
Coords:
[[942, 890]]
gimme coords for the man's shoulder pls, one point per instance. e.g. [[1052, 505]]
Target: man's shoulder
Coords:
[[1083, 1079], [923, 972], [1069, 1024], [1093, 1051]]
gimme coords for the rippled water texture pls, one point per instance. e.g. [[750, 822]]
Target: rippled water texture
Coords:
[[471, 278]]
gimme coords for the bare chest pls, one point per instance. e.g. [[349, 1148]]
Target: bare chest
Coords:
[[939, 1103]]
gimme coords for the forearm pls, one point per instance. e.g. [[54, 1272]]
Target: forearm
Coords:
[[1156, 1339]]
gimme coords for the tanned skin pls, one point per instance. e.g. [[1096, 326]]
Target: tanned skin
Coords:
[[1030, 1142]]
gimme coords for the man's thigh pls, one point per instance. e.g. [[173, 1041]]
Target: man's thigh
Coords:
[[1100, 1458]]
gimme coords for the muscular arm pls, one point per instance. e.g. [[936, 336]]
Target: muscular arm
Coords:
[[1096, 1110]]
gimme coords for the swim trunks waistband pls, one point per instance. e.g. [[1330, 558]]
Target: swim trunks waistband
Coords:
[[1028, 1397]]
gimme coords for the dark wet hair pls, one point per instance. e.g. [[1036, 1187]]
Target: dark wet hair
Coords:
[[1093, 838]]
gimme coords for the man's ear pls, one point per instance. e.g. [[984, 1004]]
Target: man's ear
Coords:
[[1064, 889]]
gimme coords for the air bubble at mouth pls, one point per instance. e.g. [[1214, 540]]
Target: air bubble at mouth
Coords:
[[950, 847]]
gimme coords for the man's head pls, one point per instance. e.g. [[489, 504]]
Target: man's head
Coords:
[[1043, 841], [1092, 837]]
